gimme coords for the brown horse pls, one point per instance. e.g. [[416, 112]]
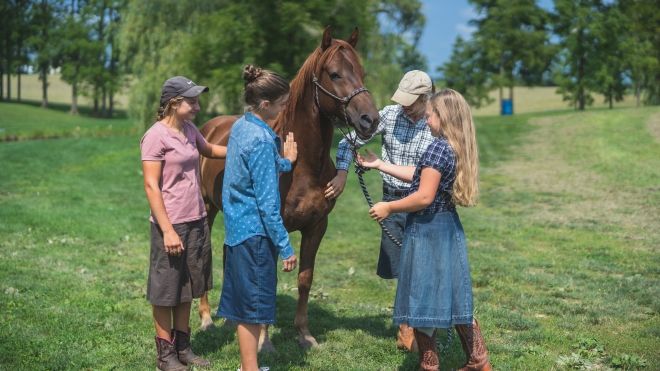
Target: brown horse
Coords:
[[327, 86]]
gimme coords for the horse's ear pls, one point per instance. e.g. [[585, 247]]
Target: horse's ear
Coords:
[[327, 38], [354, 37]]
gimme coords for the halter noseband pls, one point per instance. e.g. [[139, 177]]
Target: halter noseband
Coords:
[[343, 100]]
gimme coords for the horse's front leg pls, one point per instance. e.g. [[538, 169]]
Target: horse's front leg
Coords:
[[205, 312], [310, 241], [204, 307]]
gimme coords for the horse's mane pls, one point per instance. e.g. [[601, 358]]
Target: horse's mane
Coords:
[[303, 78]]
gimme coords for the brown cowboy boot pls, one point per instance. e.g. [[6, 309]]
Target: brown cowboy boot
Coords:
[[167, 359], [428, 352], [183, 349], [474, 347], [405, 338]]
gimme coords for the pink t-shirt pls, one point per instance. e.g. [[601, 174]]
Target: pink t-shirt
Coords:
[[179, 179]]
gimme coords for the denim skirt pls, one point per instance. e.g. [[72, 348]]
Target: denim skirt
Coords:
[[250, 282], [434, 288]]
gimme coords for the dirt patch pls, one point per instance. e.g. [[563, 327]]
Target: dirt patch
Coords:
[[653, 124], [571, 195]]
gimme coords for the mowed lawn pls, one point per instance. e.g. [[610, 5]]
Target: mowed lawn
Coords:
[[21, 121], [563, 249]]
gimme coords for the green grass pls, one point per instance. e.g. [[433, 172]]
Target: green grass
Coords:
[[563, 249], [20, 121]]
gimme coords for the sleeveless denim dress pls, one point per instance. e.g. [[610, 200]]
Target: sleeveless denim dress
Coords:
[[434, 288]]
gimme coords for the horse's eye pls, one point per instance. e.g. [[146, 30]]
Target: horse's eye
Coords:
[[335, 76]]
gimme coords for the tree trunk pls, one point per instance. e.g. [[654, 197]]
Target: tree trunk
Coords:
[[9, 86], [111, 104], [500, 84], [44, 87], [580, 80], [611, 94], [74, 98], [96, 103], [7, 65], [580, 71], [103, 102], [18, 84], [637, 93], [2, 84]]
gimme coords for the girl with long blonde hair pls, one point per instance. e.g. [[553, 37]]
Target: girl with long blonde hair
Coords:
[[435, 288]]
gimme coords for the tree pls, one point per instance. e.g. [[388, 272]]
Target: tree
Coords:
[[14, 27], [574, 23], [76, 52], [45, 15], [513, 37], [151, 37], [641, 48], [610, 76], [277, 35], [467, 72]]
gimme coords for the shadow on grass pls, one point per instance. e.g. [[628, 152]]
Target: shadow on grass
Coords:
[[322, 322]]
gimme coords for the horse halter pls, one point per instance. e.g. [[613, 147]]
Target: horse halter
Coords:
[[344, 101]]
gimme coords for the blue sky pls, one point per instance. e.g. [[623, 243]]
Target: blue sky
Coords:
[[446, 19]]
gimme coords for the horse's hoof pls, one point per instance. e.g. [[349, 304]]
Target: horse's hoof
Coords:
[[207, 323], [266, 347], [307, 342]]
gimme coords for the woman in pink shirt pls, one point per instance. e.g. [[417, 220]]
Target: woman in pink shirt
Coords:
[[180, 259]]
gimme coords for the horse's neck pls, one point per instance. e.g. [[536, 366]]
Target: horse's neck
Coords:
[[312, 132]]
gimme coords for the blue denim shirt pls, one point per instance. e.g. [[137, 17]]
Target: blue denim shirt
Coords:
[[250, 190]]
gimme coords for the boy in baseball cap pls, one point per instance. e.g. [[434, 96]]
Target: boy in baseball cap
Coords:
[[405, 137]]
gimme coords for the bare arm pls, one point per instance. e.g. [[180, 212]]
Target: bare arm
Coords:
[[213, 150], [370, 160], [151, 171], [423, 197]]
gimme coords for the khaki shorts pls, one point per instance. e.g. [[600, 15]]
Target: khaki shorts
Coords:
[[178, 279]]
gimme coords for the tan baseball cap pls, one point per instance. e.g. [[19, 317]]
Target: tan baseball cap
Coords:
[[413, 84]]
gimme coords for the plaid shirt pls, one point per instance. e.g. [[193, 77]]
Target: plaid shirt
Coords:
[[404, 142], [440, 156]]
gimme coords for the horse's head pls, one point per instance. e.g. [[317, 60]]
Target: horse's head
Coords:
[[339, 87]]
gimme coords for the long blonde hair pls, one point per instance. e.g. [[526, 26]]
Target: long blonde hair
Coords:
[[457, 126]]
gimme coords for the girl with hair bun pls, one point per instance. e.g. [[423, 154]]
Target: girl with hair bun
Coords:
[[254, 231]]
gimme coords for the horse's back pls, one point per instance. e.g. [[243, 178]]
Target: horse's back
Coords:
[[215, 131]]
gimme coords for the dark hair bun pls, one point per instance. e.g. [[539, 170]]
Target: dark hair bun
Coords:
[[251, 73]]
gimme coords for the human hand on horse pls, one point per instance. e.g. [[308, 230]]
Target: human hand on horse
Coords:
[[336, 186], [380, 211], [289, 263], [370, 160], [173, 244], [290, 148]]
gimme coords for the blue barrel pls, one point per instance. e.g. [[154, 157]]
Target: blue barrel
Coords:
[[507, 107]]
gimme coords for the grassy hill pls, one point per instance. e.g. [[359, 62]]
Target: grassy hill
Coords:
[[540, 99], [563, 249]]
